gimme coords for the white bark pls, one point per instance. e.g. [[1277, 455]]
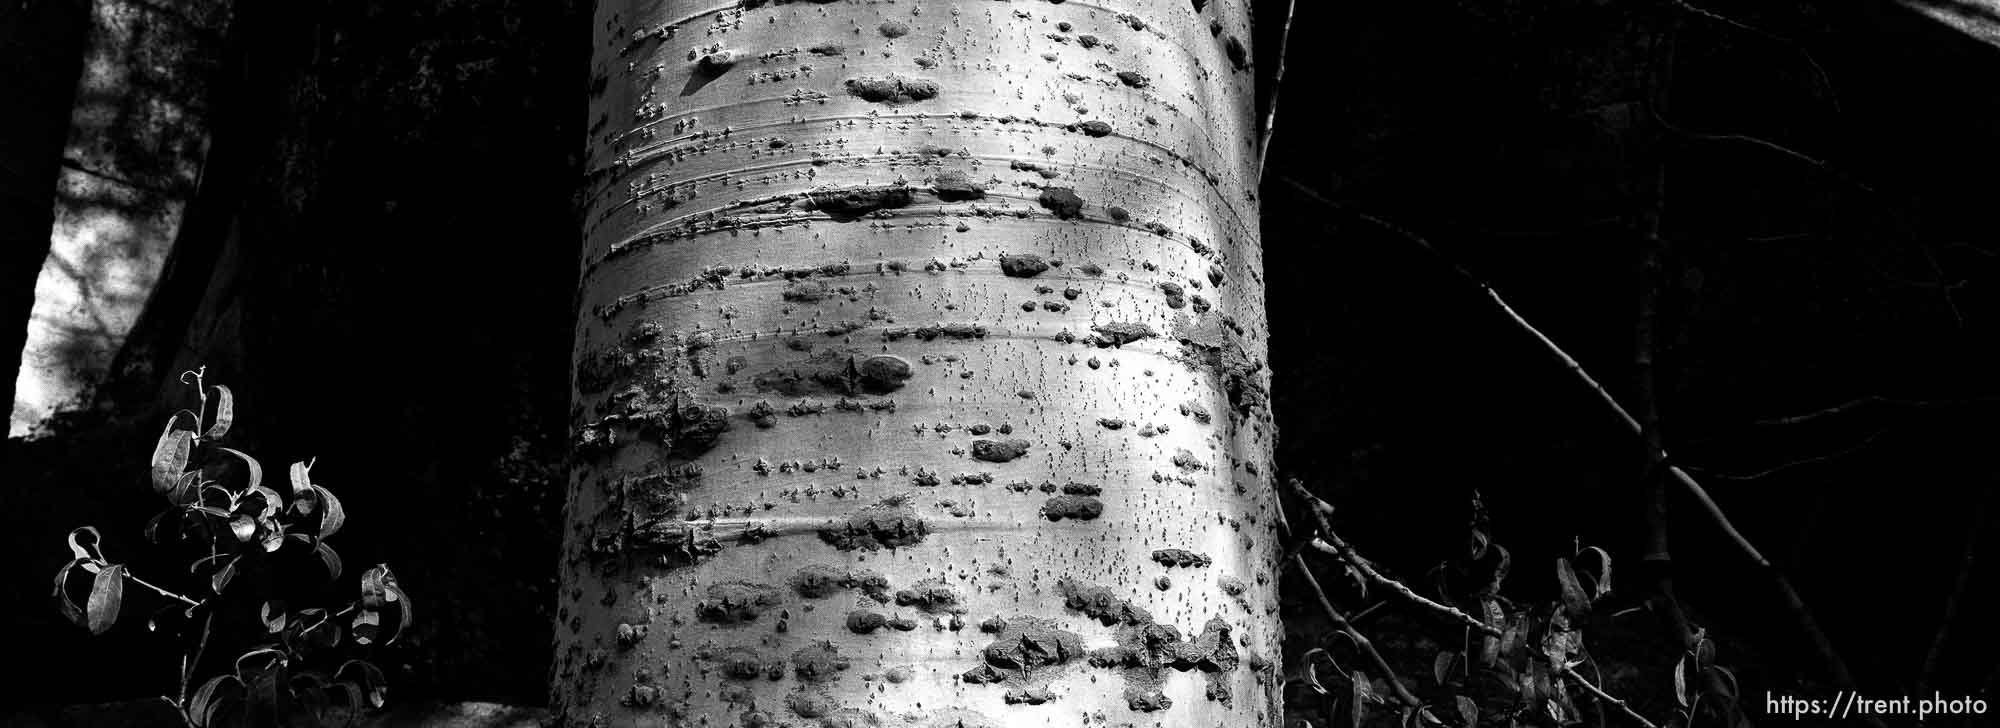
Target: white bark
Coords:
[[873, 293]]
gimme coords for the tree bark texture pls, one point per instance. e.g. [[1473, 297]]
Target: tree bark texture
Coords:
[[41, 48], [919, 370]]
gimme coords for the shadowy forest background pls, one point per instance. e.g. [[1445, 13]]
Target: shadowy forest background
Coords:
[[1766, 227]]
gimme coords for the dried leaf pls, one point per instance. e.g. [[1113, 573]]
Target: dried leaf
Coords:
[[334, 515], [83, 542], [187, 489], [375, 583], [1359, 697], [1574, 601], [1506, 563], [357, 700], [324, 634], [170, 457], [107, 595], [255, 663], [369, 677], [1442, 664], [301, 475], [225, 413], [1600, 583], [1728, 680], [328, 558], [273, 614], [220, 579], [201, 708], [1468, 711], [367, 624], [1311, 671], [309, 689], [1490, 647], [405, 614], [64, 604], [1704, 653]]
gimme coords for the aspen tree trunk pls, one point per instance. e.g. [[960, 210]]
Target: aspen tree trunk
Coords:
[[919, 370]]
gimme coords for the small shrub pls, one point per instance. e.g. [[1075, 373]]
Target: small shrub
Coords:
[[237, 536]]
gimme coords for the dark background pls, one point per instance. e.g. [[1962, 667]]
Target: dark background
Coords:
[[374, 262]]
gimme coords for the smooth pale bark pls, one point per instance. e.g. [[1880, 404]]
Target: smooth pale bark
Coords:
[[41, 57], [845, 454]]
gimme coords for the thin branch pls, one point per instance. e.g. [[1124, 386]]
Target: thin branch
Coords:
[[162, 592], [1793, 602], [1277, 84], [1951, 603], [1868, 400], [1340, 622], [1824, 80], [1784, 466], [1572, 674], [1822, 165], [1346, 553]]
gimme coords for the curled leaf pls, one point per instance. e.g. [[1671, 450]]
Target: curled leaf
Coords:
[[1468, 711], [187, 490], [225, 413], [375, 586], [356, 698], [1310, 671], [208, 702], [301, 476], [369, 677], [220, 579], [366, 626], [1490, 647], [1574, 601], [327, 557], [258, 662], [1600, 583], [334, 516], [1442, 664], [253, 472], [1360, 693], [83, 542], [64, 604], [1728, 682]]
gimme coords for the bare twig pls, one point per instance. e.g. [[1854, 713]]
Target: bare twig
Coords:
[[1340, 622], [1788, 465], [1572, 674], [162, 592], [1824, 80], [1793, 602], [1951, 603], [1346, 553], [1822, 165], [1277, 84]]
